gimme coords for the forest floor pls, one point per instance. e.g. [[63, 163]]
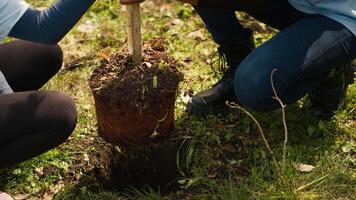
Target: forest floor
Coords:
[[226, 158]]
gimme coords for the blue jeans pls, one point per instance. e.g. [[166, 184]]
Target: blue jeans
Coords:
[[305, 50]]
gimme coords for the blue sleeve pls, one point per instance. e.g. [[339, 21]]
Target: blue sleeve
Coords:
[[4, 86], [51, 25]]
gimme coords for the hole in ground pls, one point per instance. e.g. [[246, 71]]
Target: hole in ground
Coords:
[[154, 166]]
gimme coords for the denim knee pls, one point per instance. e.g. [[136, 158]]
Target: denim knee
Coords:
[[253, 88]]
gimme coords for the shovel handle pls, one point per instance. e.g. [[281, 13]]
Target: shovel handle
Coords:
[[134, 32]]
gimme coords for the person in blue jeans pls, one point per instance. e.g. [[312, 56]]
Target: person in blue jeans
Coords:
[[312, 52]]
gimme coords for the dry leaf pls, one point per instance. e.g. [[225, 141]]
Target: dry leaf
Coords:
[[87, 27], [213, 174], [52, 191], [197, 35], [104, 78], [105, 56], [231, 125], [39, 171], [86, 157], [303, 167], [21, 197], [176, 22], [187, 95], [148, 64]]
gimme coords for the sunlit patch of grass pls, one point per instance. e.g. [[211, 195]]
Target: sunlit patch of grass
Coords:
[[84, 193], [39, 173]]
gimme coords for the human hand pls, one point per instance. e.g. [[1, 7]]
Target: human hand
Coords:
[[192, 2]]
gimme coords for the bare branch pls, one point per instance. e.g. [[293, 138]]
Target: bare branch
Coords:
[[276, 97], [235, 106], [280, 172]]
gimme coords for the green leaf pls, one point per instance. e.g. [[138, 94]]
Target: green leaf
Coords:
[[155, 82], [182, 181]]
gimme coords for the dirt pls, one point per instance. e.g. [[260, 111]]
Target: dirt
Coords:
[[135, 114], [155, 167], [135, 104], [120, 169]]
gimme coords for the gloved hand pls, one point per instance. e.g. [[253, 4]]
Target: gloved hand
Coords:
[[125, 2]]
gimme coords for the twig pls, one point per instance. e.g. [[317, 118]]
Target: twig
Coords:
[[283, 106], [284, 121], [159, 121], [312, 183], [262, 135]]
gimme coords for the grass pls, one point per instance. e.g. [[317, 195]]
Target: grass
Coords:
[[226, 158]]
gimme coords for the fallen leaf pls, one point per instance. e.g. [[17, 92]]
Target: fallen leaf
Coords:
[[148, 64], [86, 157], [187, 95], [21, 196], [303, 167], [105, 56], [52, 191], [86, 107], [104, 78], [176, 22], [213, 174], [87, 27], [39, 171], [197, 35]]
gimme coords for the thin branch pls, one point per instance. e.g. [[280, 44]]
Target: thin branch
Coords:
[[276, 97], [262, 134], [312, 183]]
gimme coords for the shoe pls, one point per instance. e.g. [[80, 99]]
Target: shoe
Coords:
[[213, 101], [330, 96]]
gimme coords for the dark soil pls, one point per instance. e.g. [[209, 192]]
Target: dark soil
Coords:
[[135, 113], [155, 166], [135, 104]]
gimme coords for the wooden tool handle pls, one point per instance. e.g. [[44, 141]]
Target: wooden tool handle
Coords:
[[134, 32]]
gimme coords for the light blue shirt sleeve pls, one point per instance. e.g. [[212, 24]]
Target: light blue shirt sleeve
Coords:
[[342, 11], [4, 86], [10, 12]]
